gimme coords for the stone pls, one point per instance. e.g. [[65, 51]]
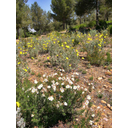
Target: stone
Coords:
[[105, 86], [99, 78], [102, 101], [109, 106], [105, 67], [108, 73]]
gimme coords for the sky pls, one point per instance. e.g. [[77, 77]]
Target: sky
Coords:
[[44, 4]]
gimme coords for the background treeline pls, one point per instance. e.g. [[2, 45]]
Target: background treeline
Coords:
[[67, 14]]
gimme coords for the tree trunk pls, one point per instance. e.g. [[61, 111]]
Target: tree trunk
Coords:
[[18, 32], [97, 10], [63, 25], [80, 20], [66, 26]]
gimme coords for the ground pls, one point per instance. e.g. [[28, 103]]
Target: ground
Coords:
[[102, 82]]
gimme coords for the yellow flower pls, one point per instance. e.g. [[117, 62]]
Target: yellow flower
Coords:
[[36, 38], [57, 54], [54, 42], [20, 52], [32, 57], [67, 46], [70, 65], [82, 58], [99, 49], [77, 54], [104, 36], [67, 58], [18, 62], [18, 104], [47, 57], [25, 70], [104, 42], [99, 45]]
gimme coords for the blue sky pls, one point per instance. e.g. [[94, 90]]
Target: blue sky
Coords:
[[44, 4]]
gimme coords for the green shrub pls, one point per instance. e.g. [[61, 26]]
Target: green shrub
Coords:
[[109, 59], [110, 29], [43, 104], [92, 24]]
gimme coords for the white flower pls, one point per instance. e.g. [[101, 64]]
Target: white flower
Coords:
[[55, 74], [83, 106], [51, 98], [23, 88], [40, 86], [43, 95], [90, 122], [32, 115], [87, 102], [61, 74], [93, 87], [54, 88], [74, 87], [28, 96], [35, 81], [34, 90], [46, 80], [78, 86], [63, 70], [67, 86], [62, 83], [48, 86], [83, 92], [65, 104], [62, 89], [89, 84], [72, 76], [93, 115], [44, 75], [88, 97], [70, 82], [57, 83], [57, 105], [85, 89], [53, 81], [59, 78], [72, 79], [98, 107]]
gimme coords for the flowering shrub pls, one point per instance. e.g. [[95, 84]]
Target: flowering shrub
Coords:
[[55, 98], [19, 120], [94, 44]]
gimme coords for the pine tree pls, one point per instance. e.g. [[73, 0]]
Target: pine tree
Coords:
[[62, 10]]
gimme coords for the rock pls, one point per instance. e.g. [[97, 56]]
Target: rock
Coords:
[[108, 73], [103, 77], [110, 70], [99, 78], [109, 106], [102, 101], [105, 86], [105, 67]]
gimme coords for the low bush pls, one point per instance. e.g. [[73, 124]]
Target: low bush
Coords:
[[46, 103]]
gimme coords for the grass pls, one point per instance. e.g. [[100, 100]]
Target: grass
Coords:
[[91, 78], [79, 70], [32, 73], [84, 72], [39, 75], [100, 95], [39, 60]]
